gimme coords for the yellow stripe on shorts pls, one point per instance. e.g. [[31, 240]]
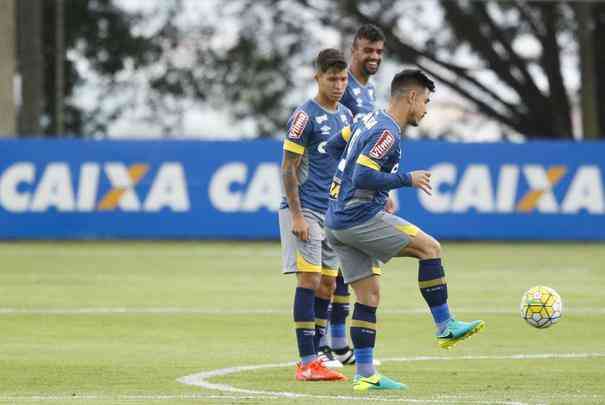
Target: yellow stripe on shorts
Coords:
[[305, 267], [305, 325], [326, 271], [409, 229]]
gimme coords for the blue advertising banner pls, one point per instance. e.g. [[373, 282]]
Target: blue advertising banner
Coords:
[[75, 189]]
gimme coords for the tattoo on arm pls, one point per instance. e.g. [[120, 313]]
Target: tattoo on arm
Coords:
[[290, 164]]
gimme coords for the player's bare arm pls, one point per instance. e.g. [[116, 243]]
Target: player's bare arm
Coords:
[[290, 164]]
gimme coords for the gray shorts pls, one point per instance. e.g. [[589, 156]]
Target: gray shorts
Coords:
[[313, 256], [363, 248]]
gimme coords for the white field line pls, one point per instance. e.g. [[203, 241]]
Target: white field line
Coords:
[[121, 398], [201, 379], [148, 251], [588, 311]]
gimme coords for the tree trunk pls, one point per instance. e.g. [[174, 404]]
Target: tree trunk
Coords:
[[599, 63], [588, 90], [7, 68], [30, 66]]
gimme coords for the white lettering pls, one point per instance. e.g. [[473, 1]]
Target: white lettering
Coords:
[[441, 174], [475, 191], [221, 196], [169, 189], [55, 189], [10, 197], [264, 189], [585, 192]]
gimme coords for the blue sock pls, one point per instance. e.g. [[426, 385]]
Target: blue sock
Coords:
[[433, 287], [363, 335], [338, 314], [304, 320], [321, 321]]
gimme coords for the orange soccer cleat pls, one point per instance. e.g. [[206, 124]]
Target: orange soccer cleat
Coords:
[[316, 371]]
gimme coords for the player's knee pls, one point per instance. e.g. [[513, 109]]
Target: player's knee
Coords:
[[327, 286], [431, 249], [311, 281]]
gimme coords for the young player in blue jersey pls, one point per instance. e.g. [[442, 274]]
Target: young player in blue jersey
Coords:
[[364, 235], [307, 172], [366, 56]]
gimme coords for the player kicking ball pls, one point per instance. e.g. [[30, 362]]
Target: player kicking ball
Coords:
[[364, 235]]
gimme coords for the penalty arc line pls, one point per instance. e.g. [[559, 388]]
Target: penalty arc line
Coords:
[[201, 379]]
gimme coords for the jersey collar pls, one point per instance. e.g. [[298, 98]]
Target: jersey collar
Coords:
[[392, 119], [325, 109], [352, 76]]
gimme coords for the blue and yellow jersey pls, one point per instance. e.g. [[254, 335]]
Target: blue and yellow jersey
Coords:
[[309, 128], [358, 98], [375, 144]]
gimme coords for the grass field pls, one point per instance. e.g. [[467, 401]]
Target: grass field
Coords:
[[112, 323]]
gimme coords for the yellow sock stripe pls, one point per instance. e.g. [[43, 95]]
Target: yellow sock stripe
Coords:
[[341, 299], [304, 266], [346, 133], [294, 147], [367, 162], [305, 325], [355, 323], [432, 283], [377, 271], [410, 230], [321, 322]]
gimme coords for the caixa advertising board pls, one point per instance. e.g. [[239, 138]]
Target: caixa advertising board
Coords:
[[73, 189]]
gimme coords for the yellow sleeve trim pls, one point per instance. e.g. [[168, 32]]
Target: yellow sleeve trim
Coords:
[[294, 147], [367, 162], [346, 133]]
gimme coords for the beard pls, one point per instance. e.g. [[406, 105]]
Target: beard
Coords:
[[368, 70]]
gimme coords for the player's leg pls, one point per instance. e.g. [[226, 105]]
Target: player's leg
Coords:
[[338, 318], [322, 305], [433, 286], [303, 258], [361, 271]]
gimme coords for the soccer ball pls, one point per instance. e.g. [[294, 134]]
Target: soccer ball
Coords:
[[541, 307]]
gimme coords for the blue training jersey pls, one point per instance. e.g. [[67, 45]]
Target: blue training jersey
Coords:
[[309, 128], [358, 98], [374, 143]]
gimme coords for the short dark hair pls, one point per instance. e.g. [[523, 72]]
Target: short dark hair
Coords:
[[410, 77], [370, 32], [330, 58]]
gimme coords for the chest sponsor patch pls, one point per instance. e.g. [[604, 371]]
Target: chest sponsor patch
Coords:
[[298, 125], [382, 145]]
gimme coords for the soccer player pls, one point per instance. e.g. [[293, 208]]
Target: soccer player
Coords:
[[366, 56], [307, 172], [364, 235]]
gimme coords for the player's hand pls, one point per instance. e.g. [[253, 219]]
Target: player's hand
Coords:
[[300, 228], [422, 179], [390, 206]]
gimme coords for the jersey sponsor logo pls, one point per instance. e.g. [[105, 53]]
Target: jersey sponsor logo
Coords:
[[93, 187], [321, 118], [298, 125], [383, 145], [520, 189], [325, 130]]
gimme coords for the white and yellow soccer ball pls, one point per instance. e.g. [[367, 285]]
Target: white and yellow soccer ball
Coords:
[[541, 307]]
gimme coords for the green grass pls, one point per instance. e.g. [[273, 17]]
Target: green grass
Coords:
[[210, 291]]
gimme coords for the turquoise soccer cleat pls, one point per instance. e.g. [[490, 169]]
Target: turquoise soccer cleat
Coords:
[[376, 382], [457, 331]]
